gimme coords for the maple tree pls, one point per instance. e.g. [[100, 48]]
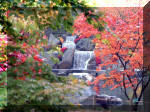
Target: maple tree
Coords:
[[120, 45]]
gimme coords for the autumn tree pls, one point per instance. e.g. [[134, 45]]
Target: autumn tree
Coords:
[[120, 44]]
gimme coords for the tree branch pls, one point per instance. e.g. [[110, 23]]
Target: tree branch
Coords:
[[143, 88]]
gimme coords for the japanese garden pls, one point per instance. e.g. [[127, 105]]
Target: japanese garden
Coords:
[[71, 56]]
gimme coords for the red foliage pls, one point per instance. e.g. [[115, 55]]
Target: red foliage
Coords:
[[63, 49], [120, 44], [7, 13], [98, 60], [3, 67], [81, 30], [76, 40], [59, 56], [19, 57], [37, 58], [21, 78]]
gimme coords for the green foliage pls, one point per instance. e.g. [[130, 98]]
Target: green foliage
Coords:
[[3, 90], [50, 13], [41, 91], [105, 41], [55, 60], [98, 36], [3, 97], [28, 67], [3, 78]]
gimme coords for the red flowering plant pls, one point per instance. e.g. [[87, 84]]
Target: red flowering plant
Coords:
[[23, 53], [62, 50]]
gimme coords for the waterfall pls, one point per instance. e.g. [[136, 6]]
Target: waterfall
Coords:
[[80, 62], [69, 43], [70, 38], [81, 59]]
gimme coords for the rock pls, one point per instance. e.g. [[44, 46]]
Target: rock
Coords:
[[67, 59], [65, 65], [105, 100], [84, 76], [55, 66], [48, 31], [85, 44], [92, 64], [52, 40], [102, 100], [62, 73]]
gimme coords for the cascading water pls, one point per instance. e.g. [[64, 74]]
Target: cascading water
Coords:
[[69, 43], [81, 59]]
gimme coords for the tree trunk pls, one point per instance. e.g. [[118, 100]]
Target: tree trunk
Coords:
[[135, 107], [146, 97]]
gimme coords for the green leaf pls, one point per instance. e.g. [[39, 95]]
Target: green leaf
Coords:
[[98, 36]]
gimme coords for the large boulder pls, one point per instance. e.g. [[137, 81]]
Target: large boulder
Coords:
[[106, 101], [67, 59], [85, 44], [52, 41]]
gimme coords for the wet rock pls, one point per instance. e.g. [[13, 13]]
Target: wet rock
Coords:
[[52, 42], [85, 44], [102, 100], [106, 101], [67, 59]]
